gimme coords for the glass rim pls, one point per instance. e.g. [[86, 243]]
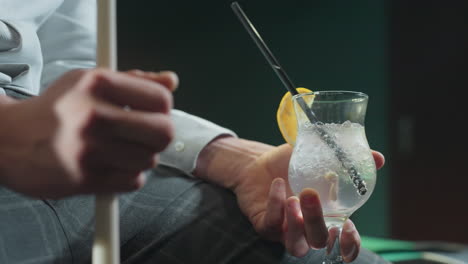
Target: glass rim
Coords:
[[358, 96]]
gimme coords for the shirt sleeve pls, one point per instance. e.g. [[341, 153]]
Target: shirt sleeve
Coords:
[[191, 136], [20, 56], [68, 39]]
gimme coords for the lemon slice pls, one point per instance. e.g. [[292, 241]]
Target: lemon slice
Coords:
[[286, 117]]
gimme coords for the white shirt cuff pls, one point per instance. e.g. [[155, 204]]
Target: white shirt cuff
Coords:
[[192, 134]]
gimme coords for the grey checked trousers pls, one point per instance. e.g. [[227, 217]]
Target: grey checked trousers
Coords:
[[173, 219]]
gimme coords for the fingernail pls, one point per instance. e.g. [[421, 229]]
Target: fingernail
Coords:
[[173, 76], [310, 200], [138, 72], [277, 184], [350, 227], [294, 204]]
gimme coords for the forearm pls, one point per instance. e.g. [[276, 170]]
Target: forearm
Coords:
[[223, 159]]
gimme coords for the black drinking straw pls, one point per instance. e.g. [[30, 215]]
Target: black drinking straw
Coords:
[[274, 63]]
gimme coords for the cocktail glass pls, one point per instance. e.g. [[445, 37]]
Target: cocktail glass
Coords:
[[325, 154]]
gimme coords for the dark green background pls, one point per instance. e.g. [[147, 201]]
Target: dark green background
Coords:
[[323, 45]]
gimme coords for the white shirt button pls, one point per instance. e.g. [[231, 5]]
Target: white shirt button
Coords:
[[179, 146]]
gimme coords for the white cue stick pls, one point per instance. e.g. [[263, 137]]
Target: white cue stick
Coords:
[[106, 249]]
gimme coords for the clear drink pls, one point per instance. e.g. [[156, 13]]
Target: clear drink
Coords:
[[332, 156], [315, 165]]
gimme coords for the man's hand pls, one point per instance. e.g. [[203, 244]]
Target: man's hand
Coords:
[[92, 131], [258, 174]]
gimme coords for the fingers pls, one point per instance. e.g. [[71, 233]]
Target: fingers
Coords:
[[314, 224], [295, 241], [305, 224], [127, 90], [379, 159], [117, 145], [118, 155], [107, 181], [350, 242], [274, 216], [306, 228], [167, 78], [153, 130], [103, 146]]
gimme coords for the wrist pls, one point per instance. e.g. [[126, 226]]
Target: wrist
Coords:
[[22, 129], [223, 160], [5, 118]]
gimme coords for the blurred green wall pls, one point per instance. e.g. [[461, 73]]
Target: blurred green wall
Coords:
[[323, 45]]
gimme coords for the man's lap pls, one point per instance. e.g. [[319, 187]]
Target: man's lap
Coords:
[[30, 232], [173, 219]]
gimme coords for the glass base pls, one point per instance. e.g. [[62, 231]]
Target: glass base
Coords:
[[333, 250], [338, 260]]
